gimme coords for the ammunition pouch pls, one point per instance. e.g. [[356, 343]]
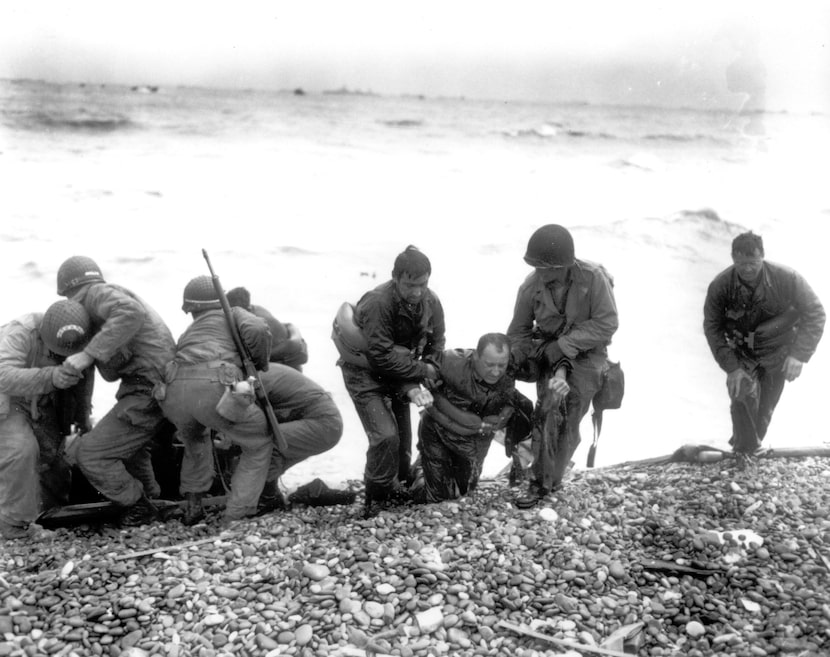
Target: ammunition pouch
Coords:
[[233, 405]]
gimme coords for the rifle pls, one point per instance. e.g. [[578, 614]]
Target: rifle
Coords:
[[247, 362]]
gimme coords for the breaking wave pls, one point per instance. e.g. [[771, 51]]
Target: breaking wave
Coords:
[[78, 123]]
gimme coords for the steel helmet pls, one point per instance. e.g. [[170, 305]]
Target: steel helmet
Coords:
[[76, 271], [199, 294], [550, 246], [65, 328]]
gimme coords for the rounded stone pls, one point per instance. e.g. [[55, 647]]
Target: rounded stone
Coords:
[[695, 629]]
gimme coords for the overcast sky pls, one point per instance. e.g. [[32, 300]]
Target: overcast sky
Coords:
[[633, 51]]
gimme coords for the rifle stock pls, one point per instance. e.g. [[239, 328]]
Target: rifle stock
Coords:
[[247, 361]]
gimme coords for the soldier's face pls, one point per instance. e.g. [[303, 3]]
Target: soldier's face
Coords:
[[411, 289], [551, 274], [748, 267], [491, 364]]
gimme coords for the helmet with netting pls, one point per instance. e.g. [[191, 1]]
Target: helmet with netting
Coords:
[[200, 294], [550, 246], [76, 271], [65, 329]]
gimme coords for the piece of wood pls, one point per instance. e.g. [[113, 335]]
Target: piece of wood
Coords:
[[167, 548], [561, 642]]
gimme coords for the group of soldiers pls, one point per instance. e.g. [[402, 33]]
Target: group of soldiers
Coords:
[[762, 322]]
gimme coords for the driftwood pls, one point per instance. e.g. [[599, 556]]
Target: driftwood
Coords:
[[561, 642], [707, 454], [167, 548]]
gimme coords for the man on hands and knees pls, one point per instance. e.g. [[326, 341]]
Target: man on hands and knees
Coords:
[[563, 321], [473, 398], [310, 423], [763, 322], [40, 400], [131, 344], [391, 344]]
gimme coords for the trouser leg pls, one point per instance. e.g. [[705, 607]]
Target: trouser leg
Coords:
[[140, 466], [480, 448], [745, 418], [556, 432], [307, 437], [249, 477], [54, 473], [437, 464], [752, 409], [19, 495], [119, 437], [772, 385], [403, 418]]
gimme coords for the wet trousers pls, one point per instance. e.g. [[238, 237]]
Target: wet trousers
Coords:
[[752, 409], [556, 427], [33, 475], [115, 456], [451, 463], [190, 403], [388, 425]]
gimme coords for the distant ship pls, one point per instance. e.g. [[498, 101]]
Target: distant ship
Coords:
[[345, 91]]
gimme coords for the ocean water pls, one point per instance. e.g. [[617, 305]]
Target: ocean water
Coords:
[[306, 200]]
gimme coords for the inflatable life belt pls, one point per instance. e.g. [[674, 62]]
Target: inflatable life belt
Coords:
[[348, 338]]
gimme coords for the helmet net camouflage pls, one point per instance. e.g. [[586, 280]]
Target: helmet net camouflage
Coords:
[[199, 294], [76, 271], [550, 246], [65, 328]]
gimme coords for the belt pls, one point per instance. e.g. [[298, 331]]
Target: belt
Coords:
[[216, 370]]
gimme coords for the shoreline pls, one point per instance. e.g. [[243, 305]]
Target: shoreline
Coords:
[[628, 549]]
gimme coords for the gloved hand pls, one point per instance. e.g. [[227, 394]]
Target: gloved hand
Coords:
[[740, 382]]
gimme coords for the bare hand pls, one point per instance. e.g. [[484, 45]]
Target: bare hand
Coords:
[[432, 373], [734, 381], [420, 397], [559, 388], [792, 368], [64, 377], [79, 361]]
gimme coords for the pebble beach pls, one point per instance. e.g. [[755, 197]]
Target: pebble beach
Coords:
[[639, 558]]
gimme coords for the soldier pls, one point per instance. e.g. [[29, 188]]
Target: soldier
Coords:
[[40, 399], [206, 365], [130, 344], [287, 344], [399, 331], [563, 320], [473, 398], [763, 322], [205, 369]]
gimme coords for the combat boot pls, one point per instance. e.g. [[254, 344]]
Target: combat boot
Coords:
[[531, 498], [12, 532], [194, 512], [140, 513], [271, 499]]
